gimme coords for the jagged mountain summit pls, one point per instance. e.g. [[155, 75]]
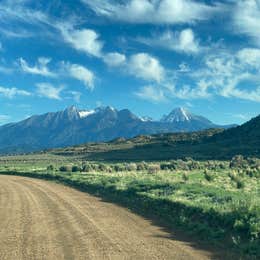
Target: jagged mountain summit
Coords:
[[179, 114], [73, 126], [184, 119]]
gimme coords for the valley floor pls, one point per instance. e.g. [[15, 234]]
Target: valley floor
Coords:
[[209, 204]]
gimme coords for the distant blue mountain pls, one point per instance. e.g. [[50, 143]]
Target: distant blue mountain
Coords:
[[73, 126]]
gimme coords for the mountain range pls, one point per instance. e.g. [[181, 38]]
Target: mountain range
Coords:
[[73, 126], [210, 144]]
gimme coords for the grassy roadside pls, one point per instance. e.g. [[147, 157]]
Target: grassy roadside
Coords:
[[211, 211]]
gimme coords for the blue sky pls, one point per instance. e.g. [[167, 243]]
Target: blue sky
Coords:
[[146, 55]]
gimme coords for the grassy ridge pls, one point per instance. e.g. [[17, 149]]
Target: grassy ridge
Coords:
[[214, 209]]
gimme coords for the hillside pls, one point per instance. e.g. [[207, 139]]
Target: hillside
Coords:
[[208, 144]]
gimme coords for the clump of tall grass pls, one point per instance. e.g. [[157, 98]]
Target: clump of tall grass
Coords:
[[208, 176], [236, 177], [185, 177]]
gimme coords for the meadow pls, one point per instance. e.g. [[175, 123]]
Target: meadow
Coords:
[[215, 201]]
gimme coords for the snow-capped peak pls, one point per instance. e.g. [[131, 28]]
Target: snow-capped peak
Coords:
[[184, 113], [146, 119], [178, 115], [86, 113]]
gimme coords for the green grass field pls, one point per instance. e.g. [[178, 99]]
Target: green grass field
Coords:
[[215, 201]]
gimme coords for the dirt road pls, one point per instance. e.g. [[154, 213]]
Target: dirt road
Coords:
[[44, 220]]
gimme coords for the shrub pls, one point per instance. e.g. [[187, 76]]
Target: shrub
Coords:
[[232, 176], [142, 166], [87, 167], [222, 166], [181, 165], [75, 168], [95, 167], [239, 183], [168, 166], [102, 167], [253, 173], [153, 168], [109, 168], [65, 168], [118, 168], [241, 173], [50, 168], [208, 176], [185, 176], [164, 166], [131, 167], [193, 165], [238, 161]]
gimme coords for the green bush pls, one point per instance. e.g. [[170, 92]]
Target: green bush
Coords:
[[208, 176], [153, 168], [65, 168], [131, 167], [50, 168], [109, 169], [75, 168], [118, 168], [238, 161], [102, 167], [181, 165], [87, 167], [239, 183], [142, 166]]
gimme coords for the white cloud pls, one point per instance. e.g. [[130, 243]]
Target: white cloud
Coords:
[[154, 12], [151, 93], [187, 92], [246, 19], [144, 66], [41, 68], [75, 71], [114, 59], [140, 65], [82, 74], [225, 74], [231, 75], [19, 13], [84, 40], [187, 42], [49, 91], [250, 56], [14, 14], [13, 92], [184, 41]]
